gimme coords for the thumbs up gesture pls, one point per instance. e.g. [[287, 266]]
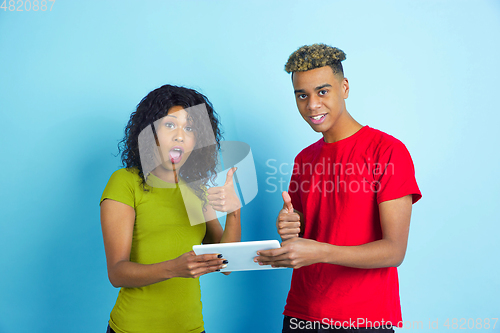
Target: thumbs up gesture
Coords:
[[224, 198], [288, 221]]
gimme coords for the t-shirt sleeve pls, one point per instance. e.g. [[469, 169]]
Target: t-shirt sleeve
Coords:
[[294, 187], [396, 174], [120, 188]]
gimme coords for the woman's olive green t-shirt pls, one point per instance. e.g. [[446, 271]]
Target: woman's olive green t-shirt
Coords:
[[162, 231]]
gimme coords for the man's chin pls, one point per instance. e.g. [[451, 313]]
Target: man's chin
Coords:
[[317, 129]]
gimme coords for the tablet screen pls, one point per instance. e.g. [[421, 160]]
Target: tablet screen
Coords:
[[239, 255]]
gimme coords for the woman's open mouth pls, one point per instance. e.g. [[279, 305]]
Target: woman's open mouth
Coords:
[[318, 119], [175, 154]]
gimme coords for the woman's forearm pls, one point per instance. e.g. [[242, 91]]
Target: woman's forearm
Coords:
[[232, 230], [130, 274], [188, 265]]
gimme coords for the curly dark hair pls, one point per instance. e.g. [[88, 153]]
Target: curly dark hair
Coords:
[[313, 56], [201, 166]]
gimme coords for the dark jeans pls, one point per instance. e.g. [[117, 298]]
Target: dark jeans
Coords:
[[295, 325], [110, 330]]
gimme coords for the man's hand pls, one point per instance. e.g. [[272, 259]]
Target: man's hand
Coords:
[[294, 253], [288, 222]]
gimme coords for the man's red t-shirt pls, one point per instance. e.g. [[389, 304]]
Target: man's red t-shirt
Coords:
[[338, 187]]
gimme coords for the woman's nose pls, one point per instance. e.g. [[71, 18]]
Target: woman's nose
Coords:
[[179, 135]]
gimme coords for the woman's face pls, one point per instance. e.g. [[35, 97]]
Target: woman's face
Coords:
[[176, 138]]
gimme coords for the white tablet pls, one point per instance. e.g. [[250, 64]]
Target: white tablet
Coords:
[[239, 255]]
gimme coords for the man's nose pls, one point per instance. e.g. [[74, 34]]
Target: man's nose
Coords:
[[314, 103]]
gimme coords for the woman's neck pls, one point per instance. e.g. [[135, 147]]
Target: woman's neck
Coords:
[[169, 176]]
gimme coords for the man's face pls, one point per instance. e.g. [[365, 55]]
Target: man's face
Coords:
[[320, 96]]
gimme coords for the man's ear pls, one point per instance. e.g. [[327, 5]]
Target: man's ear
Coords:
[[345, 88]]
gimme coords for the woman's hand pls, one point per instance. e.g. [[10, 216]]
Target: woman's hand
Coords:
[[224, 198], [189, 265]]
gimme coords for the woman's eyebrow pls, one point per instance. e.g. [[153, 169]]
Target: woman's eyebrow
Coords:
[[169, 115]]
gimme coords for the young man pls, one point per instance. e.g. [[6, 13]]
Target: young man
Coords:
[[346, 216]]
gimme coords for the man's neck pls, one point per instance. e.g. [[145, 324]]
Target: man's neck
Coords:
[[345, 126]]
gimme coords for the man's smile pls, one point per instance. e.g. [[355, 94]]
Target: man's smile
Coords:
[[318, 119]]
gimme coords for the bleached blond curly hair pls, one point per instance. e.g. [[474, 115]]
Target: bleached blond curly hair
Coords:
[[313, 56]]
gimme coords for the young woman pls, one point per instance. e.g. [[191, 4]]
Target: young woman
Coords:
[[147, 213]]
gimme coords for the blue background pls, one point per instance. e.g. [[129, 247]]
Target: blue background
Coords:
[[424, 71]]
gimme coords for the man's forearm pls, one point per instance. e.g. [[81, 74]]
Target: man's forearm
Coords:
[[377, 254]]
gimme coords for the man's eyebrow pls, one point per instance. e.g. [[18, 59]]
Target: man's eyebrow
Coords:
[[323, 86], [317, 88]]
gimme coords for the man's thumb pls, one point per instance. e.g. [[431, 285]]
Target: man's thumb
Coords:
[[287, 201]]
